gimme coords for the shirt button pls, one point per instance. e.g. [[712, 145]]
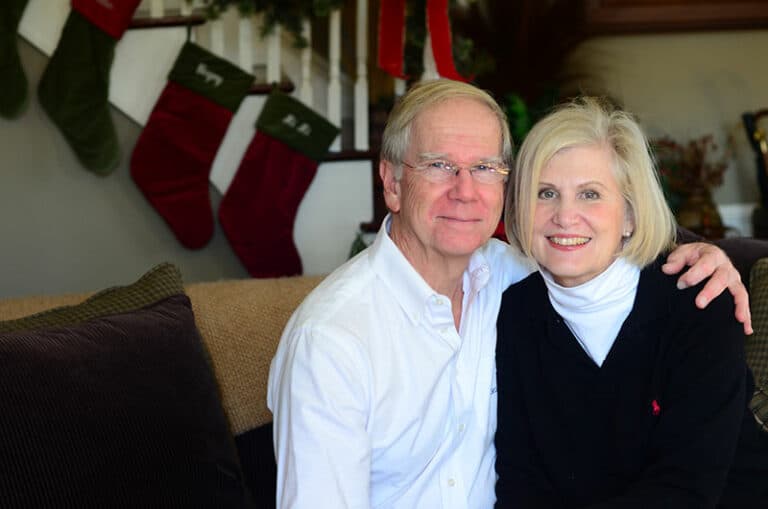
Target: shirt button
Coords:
[[451, 483], [445, 331], [461, 428]]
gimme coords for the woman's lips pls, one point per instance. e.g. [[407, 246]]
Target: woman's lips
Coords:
[[568, 241]]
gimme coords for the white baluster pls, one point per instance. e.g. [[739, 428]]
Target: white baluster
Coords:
[[334, 80], [245, 43], [186, 7], [399, 87], [361, 84], [156, 9], [273, 55], [305, 91], [430, 67], [217, 37]]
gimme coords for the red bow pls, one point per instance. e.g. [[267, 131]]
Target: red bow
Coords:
[[392, 38]]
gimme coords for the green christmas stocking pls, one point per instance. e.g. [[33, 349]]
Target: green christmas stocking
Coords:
[[13, 85], [74, 89]]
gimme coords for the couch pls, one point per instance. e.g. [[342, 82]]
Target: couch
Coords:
[[153, 394]]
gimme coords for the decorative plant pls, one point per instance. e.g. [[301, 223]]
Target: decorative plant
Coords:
[[684, 168], [287, 13]]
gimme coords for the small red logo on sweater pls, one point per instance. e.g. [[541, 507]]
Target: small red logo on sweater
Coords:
[[656, 409]]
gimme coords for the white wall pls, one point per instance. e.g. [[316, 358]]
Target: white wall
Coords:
[[686, 85]]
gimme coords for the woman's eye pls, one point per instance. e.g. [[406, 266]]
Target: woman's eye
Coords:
[[547, 194], [591, 195]]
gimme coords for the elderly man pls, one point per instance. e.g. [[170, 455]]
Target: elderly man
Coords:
[[383, 387]]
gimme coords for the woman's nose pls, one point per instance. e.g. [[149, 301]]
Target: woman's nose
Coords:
[[565, 214]]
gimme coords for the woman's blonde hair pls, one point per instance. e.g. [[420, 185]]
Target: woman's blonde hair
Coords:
[[591, 121]]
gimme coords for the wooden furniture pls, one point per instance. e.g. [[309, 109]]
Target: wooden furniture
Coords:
[[634, 16]]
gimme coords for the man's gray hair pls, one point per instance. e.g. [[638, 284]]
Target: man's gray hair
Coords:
[[421, 97]]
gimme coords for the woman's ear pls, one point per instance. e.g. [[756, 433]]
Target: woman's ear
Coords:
[[629, 226], [391, 185], [629, 222]]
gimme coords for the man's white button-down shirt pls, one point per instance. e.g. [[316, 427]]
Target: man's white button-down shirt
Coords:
[[378, 400]]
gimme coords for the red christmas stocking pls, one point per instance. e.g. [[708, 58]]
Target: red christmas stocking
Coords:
[[173, 156], [258, 210]]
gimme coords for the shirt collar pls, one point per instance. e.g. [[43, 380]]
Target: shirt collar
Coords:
[[406, 284]]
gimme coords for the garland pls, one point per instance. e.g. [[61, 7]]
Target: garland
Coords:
[[287, 13]]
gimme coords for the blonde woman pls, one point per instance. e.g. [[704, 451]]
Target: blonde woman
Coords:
[[614, 388]]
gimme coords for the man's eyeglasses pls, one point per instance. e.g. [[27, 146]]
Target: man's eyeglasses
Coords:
[[440, 171]]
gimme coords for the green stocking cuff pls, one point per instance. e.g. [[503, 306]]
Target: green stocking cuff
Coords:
[[296, 125], [203, 72]]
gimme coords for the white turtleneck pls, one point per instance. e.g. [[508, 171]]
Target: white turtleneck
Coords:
[[595, 310]]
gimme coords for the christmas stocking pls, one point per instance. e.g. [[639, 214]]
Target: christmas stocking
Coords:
[[13, 85], [259, 208], [74, 88], [172, 160]]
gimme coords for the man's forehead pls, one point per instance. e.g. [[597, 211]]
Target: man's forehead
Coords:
[[451, 133]]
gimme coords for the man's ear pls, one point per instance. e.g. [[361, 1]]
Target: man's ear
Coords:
[[391, 185]]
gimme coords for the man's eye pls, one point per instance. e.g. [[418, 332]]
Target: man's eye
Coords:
[[482, 167], [439, 165], [547, 194]]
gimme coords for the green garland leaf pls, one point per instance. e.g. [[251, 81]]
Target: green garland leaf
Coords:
[[287, 13]]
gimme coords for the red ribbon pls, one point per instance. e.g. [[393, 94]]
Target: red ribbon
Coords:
[[392, 37], [440, 35]]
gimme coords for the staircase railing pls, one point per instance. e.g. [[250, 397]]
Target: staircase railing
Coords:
[[238, 39]]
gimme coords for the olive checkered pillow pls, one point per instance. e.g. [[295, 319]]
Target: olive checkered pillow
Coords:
[[756, 345]]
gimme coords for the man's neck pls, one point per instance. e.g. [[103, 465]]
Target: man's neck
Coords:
[[444, 274]]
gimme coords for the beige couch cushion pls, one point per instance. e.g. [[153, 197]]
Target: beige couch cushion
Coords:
[[241, 322]]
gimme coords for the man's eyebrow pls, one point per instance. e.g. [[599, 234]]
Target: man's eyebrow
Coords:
[[431, 155], [425, 156]]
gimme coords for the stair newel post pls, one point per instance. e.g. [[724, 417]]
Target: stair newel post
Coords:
[[305, 90], [361, 83], [334, 79]]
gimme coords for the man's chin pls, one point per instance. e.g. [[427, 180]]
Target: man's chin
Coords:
[[463, 245]]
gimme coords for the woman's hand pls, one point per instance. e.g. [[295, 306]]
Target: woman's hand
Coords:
[[707, 260]]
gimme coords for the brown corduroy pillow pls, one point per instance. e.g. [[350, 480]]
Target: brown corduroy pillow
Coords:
[[113, 403]]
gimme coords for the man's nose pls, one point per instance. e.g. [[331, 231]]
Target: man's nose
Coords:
[[464, 185]]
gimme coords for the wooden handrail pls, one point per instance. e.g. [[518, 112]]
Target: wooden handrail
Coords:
[[168, 21], [286, 86]]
